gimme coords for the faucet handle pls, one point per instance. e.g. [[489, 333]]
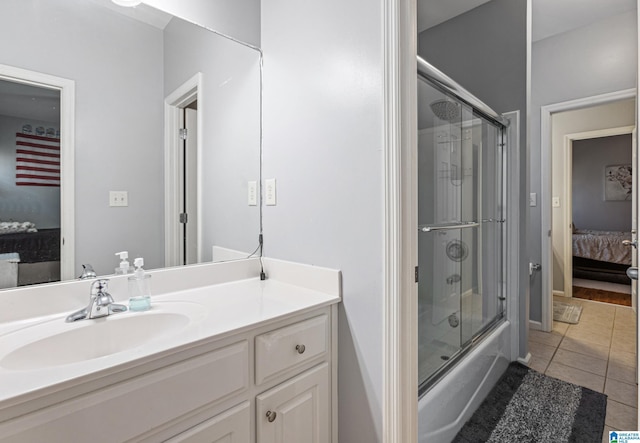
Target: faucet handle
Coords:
[[99, 286], [87, 272], [100, 301]]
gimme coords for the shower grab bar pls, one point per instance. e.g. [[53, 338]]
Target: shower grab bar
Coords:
[[431, 228]]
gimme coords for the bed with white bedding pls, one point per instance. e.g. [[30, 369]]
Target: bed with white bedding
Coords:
[[601, 255]]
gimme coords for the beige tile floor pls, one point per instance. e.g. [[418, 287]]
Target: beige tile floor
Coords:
[[598, 353]]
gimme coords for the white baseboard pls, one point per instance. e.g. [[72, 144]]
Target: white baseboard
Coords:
[[559, 293], [525, 360], [535, 325]]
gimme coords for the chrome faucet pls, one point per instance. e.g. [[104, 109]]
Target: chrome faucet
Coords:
[[101, 303], [87, 272]]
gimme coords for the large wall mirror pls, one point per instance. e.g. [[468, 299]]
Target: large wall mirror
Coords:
[[94, 98]]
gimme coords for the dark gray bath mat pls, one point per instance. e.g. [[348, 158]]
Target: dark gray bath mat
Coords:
[[566, 312], [526, 406]]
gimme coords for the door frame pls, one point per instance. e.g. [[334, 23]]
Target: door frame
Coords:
[[546, 259], [567, 195], [188, 92], [67, 156]]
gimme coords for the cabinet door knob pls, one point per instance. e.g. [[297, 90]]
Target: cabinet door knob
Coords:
[[271, 416], [300, 349]]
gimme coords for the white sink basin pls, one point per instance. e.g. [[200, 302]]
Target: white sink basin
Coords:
[[56, 343]]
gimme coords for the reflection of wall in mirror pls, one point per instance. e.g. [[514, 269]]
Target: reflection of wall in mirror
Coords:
[[230, 112], [116, 64]]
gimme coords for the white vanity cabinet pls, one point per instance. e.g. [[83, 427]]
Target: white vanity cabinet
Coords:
[[274, 382], [297, 410]]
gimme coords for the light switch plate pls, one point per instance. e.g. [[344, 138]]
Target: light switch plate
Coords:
[[252, 193], [555, 202], [118, 198], [533, 199], [270, 191]]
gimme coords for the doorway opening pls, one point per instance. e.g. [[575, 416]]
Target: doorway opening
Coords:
[[182, 171], [37, 177], [599, 195], [560, 124]]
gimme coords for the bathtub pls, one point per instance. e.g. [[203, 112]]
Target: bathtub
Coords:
[[445, 408]]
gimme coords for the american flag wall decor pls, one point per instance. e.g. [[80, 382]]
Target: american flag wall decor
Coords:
[[37, 160]]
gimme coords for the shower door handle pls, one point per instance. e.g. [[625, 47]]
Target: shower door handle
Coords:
[[431, 228]]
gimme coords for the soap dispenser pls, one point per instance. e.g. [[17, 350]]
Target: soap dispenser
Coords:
[[139, 288], [125, 267]]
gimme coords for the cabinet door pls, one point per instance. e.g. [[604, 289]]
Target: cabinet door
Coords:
[[296, 410], [232, 426]]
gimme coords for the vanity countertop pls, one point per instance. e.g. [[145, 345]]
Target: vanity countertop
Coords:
[[216, 311]]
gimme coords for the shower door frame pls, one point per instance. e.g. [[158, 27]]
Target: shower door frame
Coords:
[[515, 273], [491, 121]]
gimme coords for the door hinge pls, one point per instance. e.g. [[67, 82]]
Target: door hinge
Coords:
[[183, 133], [416, 274], [183, 217]]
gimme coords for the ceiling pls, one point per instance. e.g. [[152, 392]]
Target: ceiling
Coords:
[[144, 13], [549, 17]]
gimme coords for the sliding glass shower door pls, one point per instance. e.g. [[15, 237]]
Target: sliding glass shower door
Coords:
[[460, 222]]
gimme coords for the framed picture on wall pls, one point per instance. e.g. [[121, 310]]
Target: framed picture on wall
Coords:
[[617, 182]]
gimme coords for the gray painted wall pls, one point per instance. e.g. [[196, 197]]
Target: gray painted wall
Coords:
[[239, 19], [590, 210], [588, 61], [323, 136], [485, 50], [37, 204], [116, 64], [230, 109]]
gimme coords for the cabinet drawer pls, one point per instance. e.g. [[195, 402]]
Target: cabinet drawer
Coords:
[[280, 350]]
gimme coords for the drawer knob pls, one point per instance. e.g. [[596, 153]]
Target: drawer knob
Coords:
[[300, 349], [271, 416]]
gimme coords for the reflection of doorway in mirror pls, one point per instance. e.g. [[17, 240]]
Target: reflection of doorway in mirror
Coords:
[[182, 196], [34, 178]]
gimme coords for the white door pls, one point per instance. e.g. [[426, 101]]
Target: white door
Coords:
[[634, 217], [191, 186], [188, 187], [296, 410]]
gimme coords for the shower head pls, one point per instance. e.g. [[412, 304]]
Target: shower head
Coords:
[[446, 109]]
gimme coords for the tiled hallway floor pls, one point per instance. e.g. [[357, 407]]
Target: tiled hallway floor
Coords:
[[598, 353]]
